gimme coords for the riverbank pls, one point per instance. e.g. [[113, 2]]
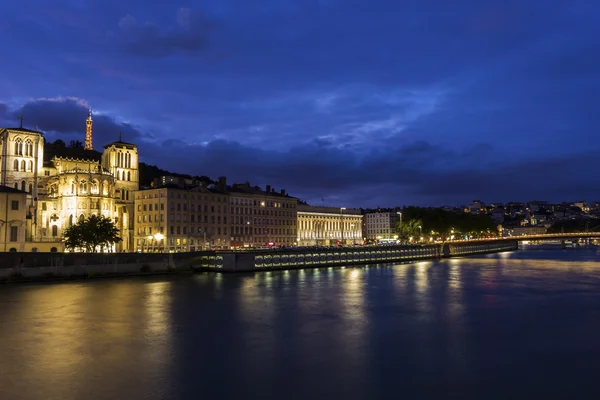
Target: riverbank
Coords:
[[42, 267]]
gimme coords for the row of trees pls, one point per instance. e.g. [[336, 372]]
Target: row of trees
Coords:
[[438, 223]]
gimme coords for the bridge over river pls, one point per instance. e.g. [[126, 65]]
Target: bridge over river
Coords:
[[541, 237]]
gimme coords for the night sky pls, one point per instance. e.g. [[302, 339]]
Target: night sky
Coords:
[[362, 103]]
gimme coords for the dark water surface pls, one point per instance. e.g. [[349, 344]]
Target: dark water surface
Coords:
[[511, 325]]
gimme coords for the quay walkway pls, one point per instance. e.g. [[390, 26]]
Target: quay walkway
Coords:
[[280, 259]]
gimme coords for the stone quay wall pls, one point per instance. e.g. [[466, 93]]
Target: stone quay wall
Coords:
[[48, 266]]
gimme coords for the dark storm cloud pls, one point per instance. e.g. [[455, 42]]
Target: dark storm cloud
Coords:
[[390, 177], [190, 34], [380, 103], [64, 118]]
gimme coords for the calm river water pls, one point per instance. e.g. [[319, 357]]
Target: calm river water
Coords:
[[513, 325]]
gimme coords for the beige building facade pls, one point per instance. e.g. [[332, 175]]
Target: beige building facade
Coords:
[[328, 226], [178, 220], [262, 218], [381, 225], [63, 190]]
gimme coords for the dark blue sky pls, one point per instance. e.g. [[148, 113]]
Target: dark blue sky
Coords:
[[361, 103]]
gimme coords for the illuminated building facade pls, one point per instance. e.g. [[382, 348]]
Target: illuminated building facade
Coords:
[[381, 224], [262, 218], [66, 190], [173, 219], [328, 226]]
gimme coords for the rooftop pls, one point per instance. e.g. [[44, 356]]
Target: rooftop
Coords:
[[8, 189]]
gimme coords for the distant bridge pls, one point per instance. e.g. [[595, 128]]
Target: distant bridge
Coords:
[[544, 236]]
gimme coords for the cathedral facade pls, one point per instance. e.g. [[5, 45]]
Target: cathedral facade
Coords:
[[63, 190]]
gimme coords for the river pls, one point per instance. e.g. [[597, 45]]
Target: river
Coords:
[[513, 325]]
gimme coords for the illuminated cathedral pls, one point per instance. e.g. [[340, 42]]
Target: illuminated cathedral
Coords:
[[63, 190]]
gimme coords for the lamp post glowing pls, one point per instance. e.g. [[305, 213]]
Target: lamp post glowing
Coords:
[[149, 241], [158, 236], [342, 222]]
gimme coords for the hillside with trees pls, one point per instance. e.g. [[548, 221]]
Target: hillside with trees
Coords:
[[74, 149]]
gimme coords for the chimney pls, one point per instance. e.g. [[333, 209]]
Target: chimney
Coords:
[[222, 182], [283, 192], [268, 189]]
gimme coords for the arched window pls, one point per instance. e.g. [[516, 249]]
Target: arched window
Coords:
[[94, 187], [28, 148], [72, 187], [81, 218], [30, 188], [34, 249], [128, 175], [30, 168], [16, 165], [16, 186], [120, 162], [13, 250], [18, 147], [127, 195], [23, 165], [71, 220], [83, 187], [54, 230], [128, 160], [53, 250], [23, 185]]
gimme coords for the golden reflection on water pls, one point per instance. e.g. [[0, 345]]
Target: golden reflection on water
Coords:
[[70, 332], [157, 307]]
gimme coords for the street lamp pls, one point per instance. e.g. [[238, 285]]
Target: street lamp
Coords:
[[420, 233], [342, 222], [158, 236], [203, 243]]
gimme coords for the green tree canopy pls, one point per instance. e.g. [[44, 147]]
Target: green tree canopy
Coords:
[[409, 229], [448, 223], [92, 232]]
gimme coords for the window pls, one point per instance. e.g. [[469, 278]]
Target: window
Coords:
[[30, 168], [14, 233], [13, 250], [53, 250], [30, 188], [34, 249], [16, 165], [22, 165], [54, 230], [14, 205]]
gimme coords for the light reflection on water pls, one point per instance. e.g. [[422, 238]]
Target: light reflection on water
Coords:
[[523, 322]]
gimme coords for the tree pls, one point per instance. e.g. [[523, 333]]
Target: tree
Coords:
[[91, 233], [75, 144], [409, 229]]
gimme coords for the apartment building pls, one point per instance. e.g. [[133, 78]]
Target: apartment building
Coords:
[[261, 217], [174, 219], [381, 224]]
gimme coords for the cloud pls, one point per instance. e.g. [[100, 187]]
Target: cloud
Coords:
[[189, 35], [416, 172], [64, 117]]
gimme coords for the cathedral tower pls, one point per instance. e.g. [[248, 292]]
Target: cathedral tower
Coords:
[[88, 131], [121, 160]]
